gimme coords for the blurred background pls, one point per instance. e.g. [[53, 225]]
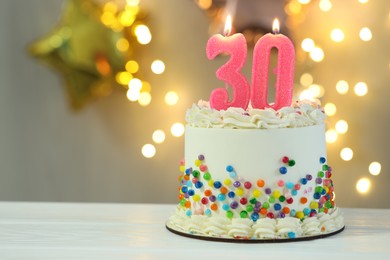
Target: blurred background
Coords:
[[93, 93]]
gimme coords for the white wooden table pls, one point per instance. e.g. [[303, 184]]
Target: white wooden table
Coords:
[[137, 231]]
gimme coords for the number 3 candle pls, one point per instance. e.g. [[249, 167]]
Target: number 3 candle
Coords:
[[284, 70], [235, 46]]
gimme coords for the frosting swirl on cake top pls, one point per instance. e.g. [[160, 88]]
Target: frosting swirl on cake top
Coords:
[[299, 114]]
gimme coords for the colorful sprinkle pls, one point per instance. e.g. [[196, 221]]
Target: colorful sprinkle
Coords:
[[214, 207], [221, 197], [201, 157], [227, 182], [234, 204], [207, 176], [322, 160], [198, 162], [240, 192], [207, 212], [249, 208], [285, 159], [203, 167], [217, 184], [231, 194], [291, 235], [198, 184], [260, 183], [224, 190], [277, 206], [268, 191], [256, 193], [225, 207], [247, 185], [291, 163], [229, 214], [195, 173], [189, 213], [204, 200], [243, 214], [229, 168], [255, 216], [283, 170], [236, 184], [243, 201], [212, 198], [280, 183]]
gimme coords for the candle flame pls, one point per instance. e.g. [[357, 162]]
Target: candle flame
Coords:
[[275, 26], [228, 25]]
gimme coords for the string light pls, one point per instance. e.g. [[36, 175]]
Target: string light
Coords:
[[148, 150], [171, 98], [158, 136], [363, 185], [177, 129], [365, 34], [375, 168], [342, 87], [158, 67], [361, 89], [346, 154]]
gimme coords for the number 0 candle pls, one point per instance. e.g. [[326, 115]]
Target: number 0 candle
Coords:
[[235, 46], [284, 70]]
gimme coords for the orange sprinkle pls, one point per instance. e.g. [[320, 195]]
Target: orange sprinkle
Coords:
[[263, 211], [207, 193], [224, 190], [181, 196], [214, 206], [186, 177], [187, 204], [260, 183], [286, 210], [303, 200]]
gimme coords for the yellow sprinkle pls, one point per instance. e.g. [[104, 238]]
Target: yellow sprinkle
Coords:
[[240, 192], [198, 163], [182, 168], [211, 183], [326, 189], [196, 198], [314, 205], [256, 193], [276, 194], [299, 214], [227, 182]]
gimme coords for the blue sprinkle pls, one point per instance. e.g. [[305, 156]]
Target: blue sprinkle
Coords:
[[217, 184], [191, 192], [207, 212], [254, 216], [283, 170], [294, 192], [231, 194], [188, 213], [221, 197], [322, 160], [198, 184], [225, 206], [229, 168], [291, 234]]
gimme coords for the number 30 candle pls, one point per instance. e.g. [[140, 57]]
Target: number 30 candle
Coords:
[[235, 46], [284, 70]]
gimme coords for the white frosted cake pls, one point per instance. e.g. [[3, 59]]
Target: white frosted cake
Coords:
[[256, 174]]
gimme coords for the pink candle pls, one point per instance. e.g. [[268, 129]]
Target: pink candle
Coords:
[[235, 46], [284, 70]]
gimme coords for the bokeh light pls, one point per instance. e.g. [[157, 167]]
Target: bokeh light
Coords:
[[205, 4], [143, 34], [346, 154], [122, 44], [317, 54], [148, 150], [306, 79], [158, 67], [363, 1], [171, 98], [132, 66], [375, 168], [330, 109], [177, 129], [331, 136], [337, 35], [341, 126], [363, 185], [361, 89], [365, 34], [308, 45], [144, 98], [342, 87], [304, 2], [325, 5], [158, 136]]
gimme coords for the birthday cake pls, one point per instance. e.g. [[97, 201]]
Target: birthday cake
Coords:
[[255, 171]]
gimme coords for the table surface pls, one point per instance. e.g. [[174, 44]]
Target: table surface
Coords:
[[137, 231]]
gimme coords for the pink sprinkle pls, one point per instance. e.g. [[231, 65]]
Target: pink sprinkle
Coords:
[[203, 167], [280, 183]]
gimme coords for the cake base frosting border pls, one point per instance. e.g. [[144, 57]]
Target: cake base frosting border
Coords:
[[183, 233]]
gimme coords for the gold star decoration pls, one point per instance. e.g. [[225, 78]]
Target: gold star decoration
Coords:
[[90, 47]]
